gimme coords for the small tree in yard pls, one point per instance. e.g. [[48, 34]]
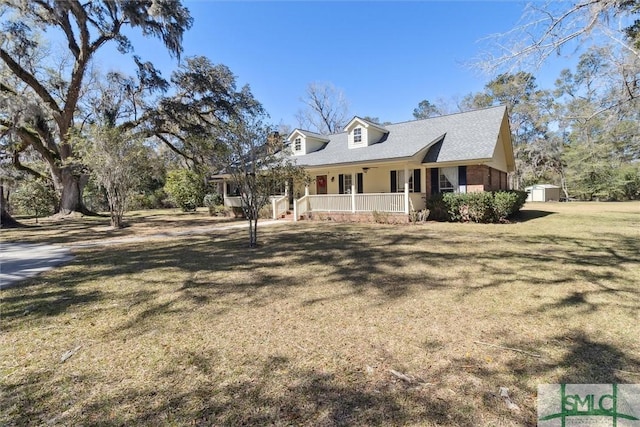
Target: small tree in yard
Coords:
[[35, 196], [186, 189], [114, 157], [258, 163]]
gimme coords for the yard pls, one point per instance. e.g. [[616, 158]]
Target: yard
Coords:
[[324, 324]]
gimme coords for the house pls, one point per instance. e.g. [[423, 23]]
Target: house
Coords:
[[393, 168]]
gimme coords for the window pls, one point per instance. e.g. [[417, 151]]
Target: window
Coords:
[[348, 182], [344, 183], [448, 180], [357, 135], [297, 144], [397, 181]]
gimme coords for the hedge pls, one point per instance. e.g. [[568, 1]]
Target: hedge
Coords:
[[484, 207]]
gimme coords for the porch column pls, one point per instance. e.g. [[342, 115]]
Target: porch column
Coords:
[[306, 190], [354, 174], [273, 207], [224, 192], [406, 190]]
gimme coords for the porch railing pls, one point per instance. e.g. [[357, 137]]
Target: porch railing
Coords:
[[233, 201], [380, 202], [385, 202], [330, 203], [280, 205], [300, 207]]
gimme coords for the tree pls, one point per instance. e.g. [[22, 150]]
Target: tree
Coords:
[[425, 110], [326, 109], [601, 134], [258, 163], [114, 157], [529, 109], [549, 27], [44, 99], [204, 101], [35, 196], [186, 188]]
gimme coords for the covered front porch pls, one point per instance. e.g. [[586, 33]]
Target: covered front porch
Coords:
[[383, 188], [393, 188]]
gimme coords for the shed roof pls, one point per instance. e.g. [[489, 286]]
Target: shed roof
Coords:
[[531, 187]]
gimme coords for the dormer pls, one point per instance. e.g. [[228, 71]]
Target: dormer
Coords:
[[305, 142], [362, 133]]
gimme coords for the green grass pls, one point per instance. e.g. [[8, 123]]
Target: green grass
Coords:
[[305, 329]]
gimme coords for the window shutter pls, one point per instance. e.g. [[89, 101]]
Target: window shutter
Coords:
[[462, 175], [393, 185], [341, 184], [359, 183], [417, 188], [435, 178]]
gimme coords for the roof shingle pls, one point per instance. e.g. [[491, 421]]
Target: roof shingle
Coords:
[[455, 137]]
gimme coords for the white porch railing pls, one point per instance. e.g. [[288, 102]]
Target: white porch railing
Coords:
[[280, 205], [380, 202], [300, 207], [233, 201], [331, 203], [385, 202]]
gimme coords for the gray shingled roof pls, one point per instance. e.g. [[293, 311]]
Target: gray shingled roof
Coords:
[[467, 136]]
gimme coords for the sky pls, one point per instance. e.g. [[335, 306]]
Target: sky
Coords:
[[385, 56]]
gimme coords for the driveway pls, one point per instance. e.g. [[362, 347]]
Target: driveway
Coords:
[[19, 261]]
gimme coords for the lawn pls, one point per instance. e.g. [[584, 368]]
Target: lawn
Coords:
[[324, 324]]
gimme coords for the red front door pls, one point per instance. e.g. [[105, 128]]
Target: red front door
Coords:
[[321, 184]]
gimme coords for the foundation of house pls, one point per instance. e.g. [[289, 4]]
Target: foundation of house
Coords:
[[359, 217]]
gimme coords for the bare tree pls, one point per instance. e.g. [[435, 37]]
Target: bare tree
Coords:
[[545, 29], [258, 163], [326, 109]]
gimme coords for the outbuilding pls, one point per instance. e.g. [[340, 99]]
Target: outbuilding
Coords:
[[543, 193]]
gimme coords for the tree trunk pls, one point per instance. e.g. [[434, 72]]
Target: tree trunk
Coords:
[[253, 233], [72, 186], [6, 220]]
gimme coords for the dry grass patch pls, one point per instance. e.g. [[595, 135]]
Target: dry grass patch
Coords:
[[305, 329], [138, 224]]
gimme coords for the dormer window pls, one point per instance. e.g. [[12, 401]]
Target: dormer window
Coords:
[[357, 135], [297, 144]]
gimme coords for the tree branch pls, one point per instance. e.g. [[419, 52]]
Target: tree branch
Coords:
[[171, 146], [31, 81], [19, 166]]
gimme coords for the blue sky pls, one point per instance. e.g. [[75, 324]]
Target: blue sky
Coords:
[[385, 56]]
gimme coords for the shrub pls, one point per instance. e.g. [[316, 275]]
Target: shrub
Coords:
[[483, 207], [213, 199], [418, 216], [437, 208], [215, 203], [508, 203], [380, 217], [186, 189]]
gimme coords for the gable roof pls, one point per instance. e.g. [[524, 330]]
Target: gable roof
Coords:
[[364, 122], [455, 137], [308, 134]]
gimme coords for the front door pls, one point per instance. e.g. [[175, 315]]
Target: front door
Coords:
[[321, 184]]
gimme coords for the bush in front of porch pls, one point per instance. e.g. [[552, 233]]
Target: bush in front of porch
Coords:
[[482, 207]]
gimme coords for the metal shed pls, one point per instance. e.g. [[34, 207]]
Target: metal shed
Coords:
[[543, 193]]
